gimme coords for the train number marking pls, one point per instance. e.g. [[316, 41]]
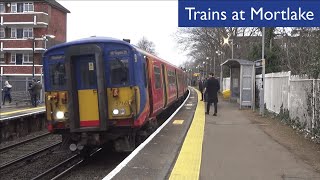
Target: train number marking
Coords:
[[122, 103]]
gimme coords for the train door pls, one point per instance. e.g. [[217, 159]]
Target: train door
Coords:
[[86, 85], [165, 91], [86, 88], [177, 82]]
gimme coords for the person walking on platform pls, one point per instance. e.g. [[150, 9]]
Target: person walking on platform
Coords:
[[201, 87], [212, 88], [6, 92]]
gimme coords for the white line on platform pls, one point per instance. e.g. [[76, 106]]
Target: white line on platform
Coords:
[[21, 115], [116, 170]]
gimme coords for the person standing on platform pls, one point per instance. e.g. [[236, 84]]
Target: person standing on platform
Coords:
[[201, 87], [212, 88], [35, 92], [6, 92]]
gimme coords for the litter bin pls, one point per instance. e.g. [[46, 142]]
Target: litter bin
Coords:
[[226, 94]]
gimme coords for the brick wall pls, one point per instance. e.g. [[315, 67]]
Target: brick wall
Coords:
[[21, 69]]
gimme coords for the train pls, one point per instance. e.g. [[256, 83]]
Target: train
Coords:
[[102, 89]]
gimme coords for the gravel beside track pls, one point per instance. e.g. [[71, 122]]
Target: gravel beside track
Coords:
[[20, 139], [29, 147], [36, 166]]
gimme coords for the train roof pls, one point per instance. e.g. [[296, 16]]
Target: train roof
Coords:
[[89, 40], [97, 39]]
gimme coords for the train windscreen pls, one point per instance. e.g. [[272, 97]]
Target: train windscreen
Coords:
[[119, 71], [57, 75]]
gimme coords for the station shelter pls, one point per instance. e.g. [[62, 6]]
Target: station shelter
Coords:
[[242, 81]]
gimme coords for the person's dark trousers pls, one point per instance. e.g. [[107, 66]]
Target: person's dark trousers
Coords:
[[34, 100], [215, 107], [7, 96], [201, 96]]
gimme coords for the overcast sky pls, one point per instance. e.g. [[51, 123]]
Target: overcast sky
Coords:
[[156, 20]]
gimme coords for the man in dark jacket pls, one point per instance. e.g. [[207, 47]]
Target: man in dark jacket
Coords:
[[212, 88], [35, 92]]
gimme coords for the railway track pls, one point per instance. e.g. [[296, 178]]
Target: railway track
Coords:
[[28, 156], [6, 148], [64, 167]]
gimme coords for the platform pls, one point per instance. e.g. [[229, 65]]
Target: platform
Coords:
[[223, 147], [12, 112]]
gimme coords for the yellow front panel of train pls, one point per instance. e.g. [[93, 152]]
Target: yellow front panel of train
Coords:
[[122, 102], [88, 107]]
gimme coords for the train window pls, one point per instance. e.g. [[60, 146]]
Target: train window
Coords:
[[157, 77], [119, 73], [88, 77], [57, 75], [171, 77]]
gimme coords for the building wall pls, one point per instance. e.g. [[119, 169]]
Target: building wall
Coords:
[[57, 26]]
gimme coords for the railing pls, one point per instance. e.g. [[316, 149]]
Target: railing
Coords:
[[298, 95]]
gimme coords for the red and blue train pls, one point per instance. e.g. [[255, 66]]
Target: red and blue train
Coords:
[[103, 89]]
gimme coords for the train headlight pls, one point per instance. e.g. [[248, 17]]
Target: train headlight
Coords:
[[59, 114], [115, 111]]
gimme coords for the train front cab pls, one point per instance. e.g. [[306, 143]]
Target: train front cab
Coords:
[[106, 98]]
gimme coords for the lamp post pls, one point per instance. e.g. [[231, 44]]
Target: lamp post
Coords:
[[263, 75], [33, 47], [221, 73], [226, 41], [46, 37]]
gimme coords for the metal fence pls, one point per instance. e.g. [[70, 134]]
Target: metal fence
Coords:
[[299, 95], [20, 85]]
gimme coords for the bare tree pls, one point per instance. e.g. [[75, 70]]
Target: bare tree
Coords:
[[147, 45]]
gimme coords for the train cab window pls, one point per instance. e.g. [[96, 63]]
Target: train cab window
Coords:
[[57, 75], [157, 77], [119, 72]]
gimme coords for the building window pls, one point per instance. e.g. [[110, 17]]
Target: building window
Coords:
[[27, 58], [22, 7], [21, 33], [2, 34], [17, 58], [27, 32], [28, 7], [13, 7], [1, 57], [13, 58], [2, 8], [13, 33]]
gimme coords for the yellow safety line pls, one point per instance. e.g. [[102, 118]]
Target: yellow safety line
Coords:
[[189, 160], [22, 110]]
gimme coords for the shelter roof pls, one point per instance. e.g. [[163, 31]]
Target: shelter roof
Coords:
[[236, 62]]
